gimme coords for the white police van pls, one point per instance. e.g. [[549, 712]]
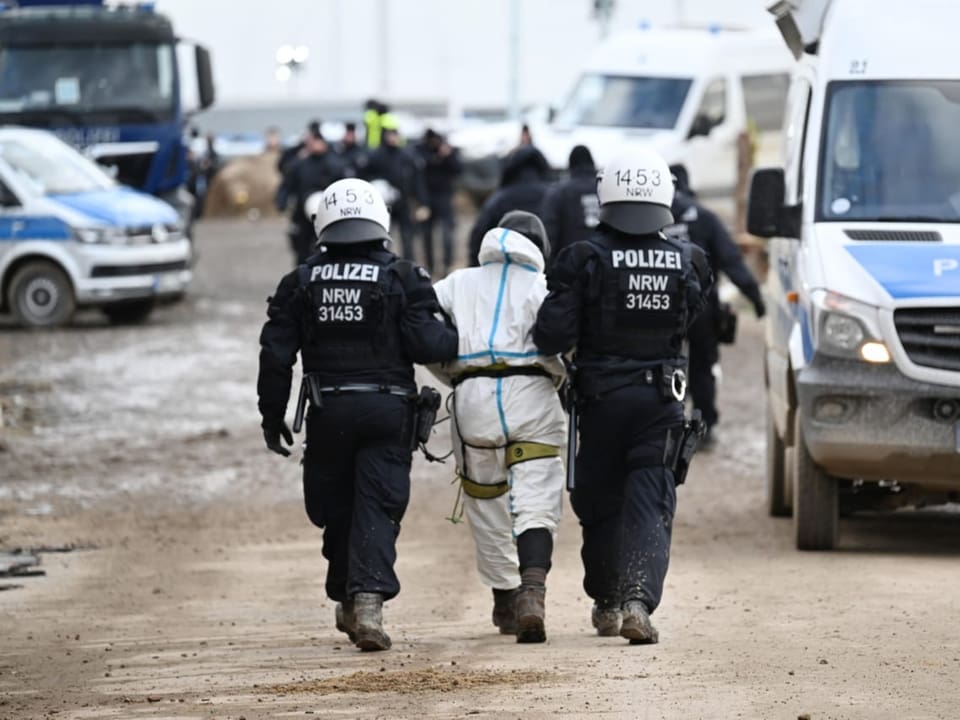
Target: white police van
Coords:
[[863, 341], [70, 235], [687, 92]]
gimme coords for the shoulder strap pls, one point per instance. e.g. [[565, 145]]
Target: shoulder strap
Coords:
[[303, 275], [405, 270]]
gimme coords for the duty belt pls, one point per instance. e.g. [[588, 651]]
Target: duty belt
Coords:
[[312, 392], [500, 371], [355, 388], [669, 378]]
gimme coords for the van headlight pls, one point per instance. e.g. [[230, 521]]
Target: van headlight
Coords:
[[842, 331], [100, 236], [848, 328]]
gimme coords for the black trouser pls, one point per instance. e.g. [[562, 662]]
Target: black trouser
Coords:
[[356, 485], [624, 497], [401, 220], [441, 213], [704, 353], [303, 240]]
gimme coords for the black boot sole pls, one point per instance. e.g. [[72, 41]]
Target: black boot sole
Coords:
[[346, 631], [639, 636], [372, 641], [531, 630]]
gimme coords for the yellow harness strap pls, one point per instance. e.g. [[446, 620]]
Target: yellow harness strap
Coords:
[[481, 491], [519, 452]]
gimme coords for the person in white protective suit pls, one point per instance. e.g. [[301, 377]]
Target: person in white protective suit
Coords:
[[508, 426]]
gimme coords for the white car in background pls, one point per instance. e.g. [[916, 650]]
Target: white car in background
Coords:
[[688, 92]]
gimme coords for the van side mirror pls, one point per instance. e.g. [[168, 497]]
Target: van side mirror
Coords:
[[702, 125], [7, 198], [204, 77], [551, 114], [767, 216]]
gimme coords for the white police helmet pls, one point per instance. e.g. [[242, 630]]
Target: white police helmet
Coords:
[[636, 192], [352, 211]]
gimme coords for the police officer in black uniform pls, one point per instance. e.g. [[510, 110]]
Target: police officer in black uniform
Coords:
[[402, 168], [570, 209], [700, 225], [306, 178], [523, 183], [624, 299], [360, 317]]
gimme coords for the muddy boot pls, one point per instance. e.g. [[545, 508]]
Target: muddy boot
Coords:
[[606, 620], [505, 611], [531, 606], [636, 626], [368, 611], [346, 619]]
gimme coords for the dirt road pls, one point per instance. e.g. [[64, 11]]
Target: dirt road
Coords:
[[197, 588]]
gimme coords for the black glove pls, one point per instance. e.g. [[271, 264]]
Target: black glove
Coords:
[[271, 436], [759, 307]]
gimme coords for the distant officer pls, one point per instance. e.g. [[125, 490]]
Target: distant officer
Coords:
[[352, 153], [401, 168], [376, 118], [624, 300], [359, 317], [289, 156], [441, 167], [570, 209], [523, 183], [305, 179], [696, 223]]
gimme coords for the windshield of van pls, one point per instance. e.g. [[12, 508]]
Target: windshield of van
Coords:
[[890, 152], [135, 79], [625, 101], [49, 167]]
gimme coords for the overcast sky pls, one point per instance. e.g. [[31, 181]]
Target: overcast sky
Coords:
[[454, 50]]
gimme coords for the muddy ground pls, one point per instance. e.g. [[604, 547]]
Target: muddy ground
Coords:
[[196, 586]]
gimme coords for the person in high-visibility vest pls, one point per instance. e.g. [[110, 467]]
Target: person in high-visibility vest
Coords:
[[376, 119]]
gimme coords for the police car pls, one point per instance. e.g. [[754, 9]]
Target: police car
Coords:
[[70, 236], [863, 339]]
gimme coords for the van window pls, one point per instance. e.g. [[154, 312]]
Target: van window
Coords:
[[890, 152], [625, 101], [7, 198], [795, 139], [765, 97], [714, 103], [48, 166]]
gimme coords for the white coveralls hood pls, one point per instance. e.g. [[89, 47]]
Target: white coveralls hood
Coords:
[[495, 307]]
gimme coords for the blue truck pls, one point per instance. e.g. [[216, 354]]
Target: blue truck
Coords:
[[107, 80]]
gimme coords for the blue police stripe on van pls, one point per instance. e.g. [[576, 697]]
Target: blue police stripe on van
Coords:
[[18, 228], [912, 270]]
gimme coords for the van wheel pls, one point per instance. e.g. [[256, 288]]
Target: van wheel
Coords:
[[41, 295], [815, 498], [128, 312], [778, 498]]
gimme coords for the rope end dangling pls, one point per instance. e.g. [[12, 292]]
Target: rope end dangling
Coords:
[[456, 514]]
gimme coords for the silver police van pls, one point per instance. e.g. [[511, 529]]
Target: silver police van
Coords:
[[71, 236]]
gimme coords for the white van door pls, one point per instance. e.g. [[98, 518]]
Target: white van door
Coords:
[[712, 142]]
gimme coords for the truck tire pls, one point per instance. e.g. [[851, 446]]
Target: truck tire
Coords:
[[41, 295], [815, 498], [778, 498], [128, 312]]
